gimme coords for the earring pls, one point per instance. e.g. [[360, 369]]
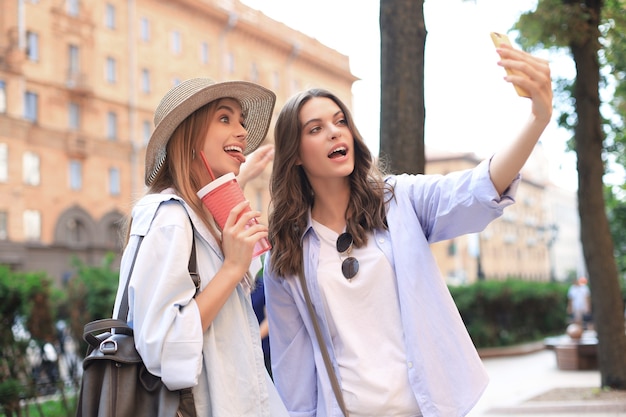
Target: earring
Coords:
[[193, 154]]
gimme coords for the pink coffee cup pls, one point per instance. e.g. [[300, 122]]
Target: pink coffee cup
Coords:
[[220, 196]]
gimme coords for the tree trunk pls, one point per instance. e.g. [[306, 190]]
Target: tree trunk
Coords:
[[595, 234], [403, 38]]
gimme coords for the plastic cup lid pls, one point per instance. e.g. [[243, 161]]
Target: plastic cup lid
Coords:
[[215, 183]]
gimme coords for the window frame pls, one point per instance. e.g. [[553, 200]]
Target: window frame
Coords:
[[31, 106], [75, 175]]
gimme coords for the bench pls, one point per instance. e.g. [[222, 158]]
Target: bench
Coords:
[[574, 354]]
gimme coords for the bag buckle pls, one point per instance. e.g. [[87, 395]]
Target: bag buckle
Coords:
[[108, 347]]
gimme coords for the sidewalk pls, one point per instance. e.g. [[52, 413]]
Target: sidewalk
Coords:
[[516, 379]]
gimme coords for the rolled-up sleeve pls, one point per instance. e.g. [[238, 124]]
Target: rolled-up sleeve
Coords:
[[439, 201]]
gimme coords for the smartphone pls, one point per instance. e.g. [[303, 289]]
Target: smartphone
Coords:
[[499, 39]]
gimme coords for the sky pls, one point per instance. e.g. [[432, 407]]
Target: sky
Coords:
[[469, 107]]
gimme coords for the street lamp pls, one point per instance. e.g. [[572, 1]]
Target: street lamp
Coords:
[[549, 233], [474, 249]]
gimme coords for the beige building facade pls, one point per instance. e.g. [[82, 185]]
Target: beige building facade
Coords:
[[79, 82]]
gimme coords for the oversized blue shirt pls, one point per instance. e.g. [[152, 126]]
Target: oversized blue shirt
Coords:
[[445, 372]]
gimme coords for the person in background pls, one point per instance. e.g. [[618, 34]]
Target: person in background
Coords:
[[361, 241], [204, 338], [579, 302], [258, 303]]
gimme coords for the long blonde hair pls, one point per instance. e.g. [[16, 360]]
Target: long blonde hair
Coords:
[[292, 195], [181, 169]]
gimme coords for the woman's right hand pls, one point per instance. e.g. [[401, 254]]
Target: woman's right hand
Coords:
[[238, 240], [237, 245]]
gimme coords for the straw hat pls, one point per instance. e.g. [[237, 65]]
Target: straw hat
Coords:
[[257, 104]]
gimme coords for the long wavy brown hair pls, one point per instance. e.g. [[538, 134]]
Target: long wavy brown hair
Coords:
[[292, 195], [182, 167]]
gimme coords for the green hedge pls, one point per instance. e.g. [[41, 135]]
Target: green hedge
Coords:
[[504, 313]]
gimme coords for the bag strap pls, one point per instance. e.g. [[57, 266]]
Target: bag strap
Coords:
[[318, 334], [193, 264], [122, 313], [192, 267], [101, 326]]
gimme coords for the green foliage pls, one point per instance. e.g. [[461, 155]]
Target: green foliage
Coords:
[[52, 408], [502, 313], [99, 286], [24, 299], [31, 299], [616, 212], [555, 23], [11, 391], [90, 294]]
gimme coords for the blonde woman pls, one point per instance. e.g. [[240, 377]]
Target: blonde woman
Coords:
[[209, 341]]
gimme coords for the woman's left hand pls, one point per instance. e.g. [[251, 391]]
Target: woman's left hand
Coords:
[[255, 164], [532, 74]]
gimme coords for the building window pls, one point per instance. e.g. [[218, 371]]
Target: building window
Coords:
[[113, 235], [73, 116], [4, 225], [275, 80], [31, 172], [32, 45], [32, 225], [76, 175], [254, 73], [176, 43], [229, 63], [145, 81], [75, 232], [111, 125], [4, 162], [204, 53], [3, 97], [147, 131], [30, 106], [114, 181], [144, 29], [111, 70], [295, 86], [109, 16], [73, 60], [73, 7]]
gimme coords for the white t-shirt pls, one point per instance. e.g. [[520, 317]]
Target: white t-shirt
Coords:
[[578, 294], [365, 324]]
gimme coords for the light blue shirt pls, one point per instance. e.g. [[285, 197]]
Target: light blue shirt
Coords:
[[224, 364], [445, 372]]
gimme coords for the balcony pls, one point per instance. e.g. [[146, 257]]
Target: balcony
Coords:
[[76, 146], [78, 83]]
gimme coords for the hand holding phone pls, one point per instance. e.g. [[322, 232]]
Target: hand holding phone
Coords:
[[499, 39]]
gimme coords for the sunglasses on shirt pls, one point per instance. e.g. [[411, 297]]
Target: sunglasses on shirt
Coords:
[[350, 265]]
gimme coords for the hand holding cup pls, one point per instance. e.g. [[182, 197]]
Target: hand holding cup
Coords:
[[221, 196]]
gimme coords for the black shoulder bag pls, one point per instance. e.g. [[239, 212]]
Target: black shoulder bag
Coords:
[[115, 381]]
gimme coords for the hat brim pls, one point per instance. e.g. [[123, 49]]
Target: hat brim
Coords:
[[257, 104]]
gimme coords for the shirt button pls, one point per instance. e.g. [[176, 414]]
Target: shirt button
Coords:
[[410, 364], [381, 240]]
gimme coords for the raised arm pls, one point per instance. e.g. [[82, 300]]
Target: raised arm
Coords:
[[255, 164], [534, 77]]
